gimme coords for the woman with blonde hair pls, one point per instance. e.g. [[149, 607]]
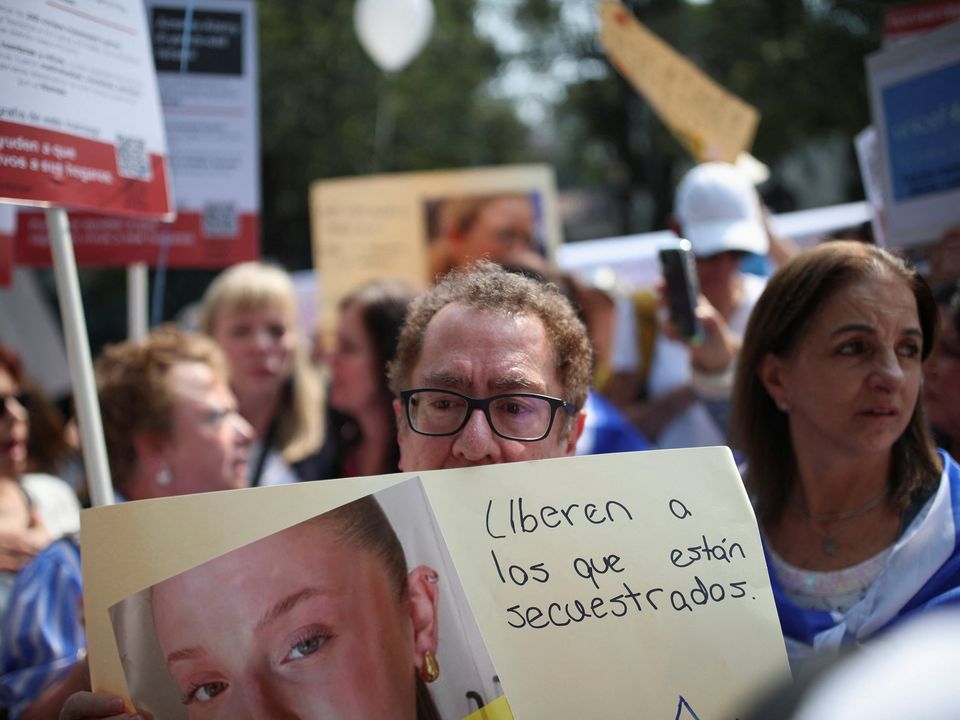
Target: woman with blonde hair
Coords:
[[250, 310]]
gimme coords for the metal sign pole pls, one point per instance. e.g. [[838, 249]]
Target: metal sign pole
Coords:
[[78, 354], [137, 306]]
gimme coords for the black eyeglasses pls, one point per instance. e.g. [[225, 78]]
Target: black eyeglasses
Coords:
[[21, 397], [527, 417]]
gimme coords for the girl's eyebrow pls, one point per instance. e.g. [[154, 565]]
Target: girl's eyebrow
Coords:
[[288, 603], [188, 653]]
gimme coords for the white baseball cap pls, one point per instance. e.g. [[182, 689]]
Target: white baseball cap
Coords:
[[719, 210]]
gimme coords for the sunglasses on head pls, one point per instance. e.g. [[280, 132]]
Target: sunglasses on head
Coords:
[[21, 397]]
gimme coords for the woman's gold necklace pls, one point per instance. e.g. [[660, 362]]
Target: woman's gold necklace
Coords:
[[829, 544]]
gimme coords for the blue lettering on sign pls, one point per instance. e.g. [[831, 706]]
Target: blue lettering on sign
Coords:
[[689, 714]]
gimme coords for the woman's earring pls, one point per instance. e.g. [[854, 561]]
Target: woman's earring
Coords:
[[430, 670], [783, 406], [164, 478]]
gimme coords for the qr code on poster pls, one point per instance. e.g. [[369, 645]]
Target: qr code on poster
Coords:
[[220, 219], [132, 160]]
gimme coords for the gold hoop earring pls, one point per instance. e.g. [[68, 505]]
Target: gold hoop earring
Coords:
[[430, 670]]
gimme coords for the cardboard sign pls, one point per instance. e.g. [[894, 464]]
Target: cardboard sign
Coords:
[[401, 225], [607, 586], [206, 61], [915, 104], [80, 122], [710, 122]]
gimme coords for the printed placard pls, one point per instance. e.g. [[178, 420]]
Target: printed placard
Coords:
[[709, 121], [80, 122], [915, 103], [600, 584], [208, 86], [323, 618], [414, 226]]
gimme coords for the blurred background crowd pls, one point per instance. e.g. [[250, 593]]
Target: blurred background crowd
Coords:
[[241, 389]]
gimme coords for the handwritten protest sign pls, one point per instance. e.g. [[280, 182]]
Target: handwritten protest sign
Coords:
[[607, 584], [399, 225], [610, 586], [915, 103], [57, 58], [710, 122]]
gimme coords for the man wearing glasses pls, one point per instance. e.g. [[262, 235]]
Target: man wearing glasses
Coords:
[[491, 367]]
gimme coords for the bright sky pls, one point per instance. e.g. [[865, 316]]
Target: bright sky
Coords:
[[533, 92]]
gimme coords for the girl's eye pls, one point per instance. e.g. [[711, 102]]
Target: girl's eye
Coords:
[[217, 416], [204, 692], [307, 646]]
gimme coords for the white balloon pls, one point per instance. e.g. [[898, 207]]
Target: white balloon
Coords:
[[393, 31]]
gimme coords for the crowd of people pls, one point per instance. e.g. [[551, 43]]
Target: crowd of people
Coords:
[[834, 374]]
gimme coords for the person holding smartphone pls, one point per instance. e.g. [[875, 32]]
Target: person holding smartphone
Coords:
[[717, 210]]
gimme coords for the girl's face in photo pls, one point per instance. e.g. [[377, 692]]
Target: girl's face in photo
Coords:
[[503, 226], [259, 344], [299, 624]]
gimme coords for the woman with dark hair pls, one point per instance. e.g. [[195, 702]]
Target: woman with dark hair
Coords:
[[35, 508], [941, 372], [856, 506], [363, 427]]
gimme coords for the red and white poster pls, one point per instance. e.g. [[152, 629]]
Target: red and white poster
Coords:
[[80, 123], [205, 54], [908, 20]]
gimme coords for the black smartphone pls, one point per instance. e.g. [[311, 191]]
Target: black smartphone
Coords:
[[679, 269]]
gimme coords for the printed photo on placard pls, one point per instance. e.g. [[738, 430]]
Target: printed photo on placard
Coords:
[[413, 226], [356, 612], [500, 226]]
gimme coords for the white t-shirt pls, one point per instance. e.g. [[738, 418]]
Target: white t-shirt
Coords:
[[695, 427], [55, 501]]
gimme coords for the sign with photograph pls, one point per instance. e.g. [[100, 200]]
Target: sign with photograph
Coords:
[[381, 597], [80, 123], [414, 226], [915, 102], [600, 584], [206, 66]]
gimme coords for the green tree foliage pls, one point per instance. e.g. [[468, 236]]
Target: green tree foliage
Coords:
[[329, 111], [800, 62]]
